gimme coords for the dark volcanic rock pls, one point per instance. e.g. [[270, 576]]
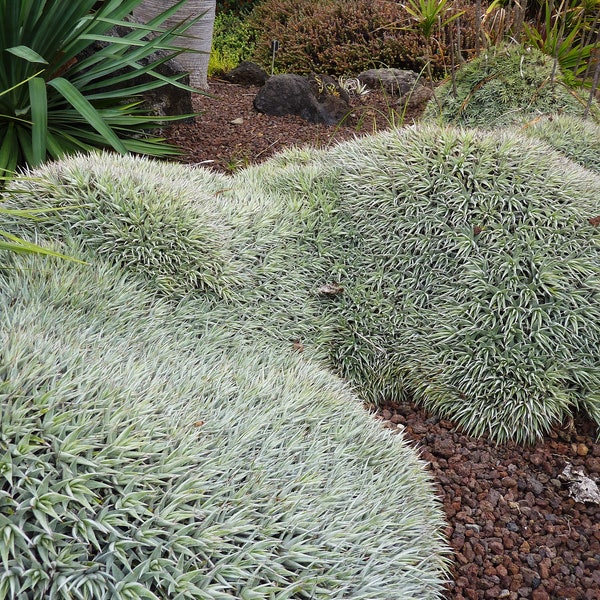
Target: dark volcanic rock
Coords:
[[247, 73], [311, 98]]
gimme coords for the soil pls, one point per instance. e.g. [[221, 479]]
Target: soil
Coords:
[[230, 134], [516, 531]]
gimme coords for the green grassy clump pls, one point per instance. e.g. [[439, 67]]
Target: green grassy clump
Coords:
[[472, 271], [576, 138], [153, 218], [148, 452], [466, 266], [506, 85]]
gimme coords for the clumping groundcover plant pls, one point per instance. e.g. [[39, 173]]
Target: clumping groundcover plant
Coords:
[[152, 446], [214, 460], [146, 453], [505, 85], [466, 263]]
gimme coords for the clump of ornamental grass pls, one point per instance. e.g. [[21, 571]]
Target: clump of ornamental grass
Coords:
[[460, 268], [148, 452], [157, 219], [506, 85], [578, 139], [255, 241], [471, 278]]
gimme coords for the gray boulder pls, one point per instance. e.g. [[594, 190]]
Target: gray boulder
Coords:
[[418, 96], [395, 82], [317, 99], [247, 73]]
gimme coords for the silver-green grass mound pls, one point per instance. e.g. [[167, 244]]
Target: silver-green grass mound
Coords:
[[146, 452], [579, 139], [457, 267], [156, 219], [506, 85], [472, 277]]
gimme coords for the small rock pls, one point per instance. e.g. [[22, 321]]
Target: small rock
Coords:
[[238, 121], [540, 594], [582, 450], [393, 81], [535, 486], [247, 73]]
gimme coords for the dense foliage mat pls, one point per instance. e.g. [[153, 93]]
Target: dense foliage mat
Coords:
[[470, 264], [457, 267], [576, 138], [506, 85], [148, 452]]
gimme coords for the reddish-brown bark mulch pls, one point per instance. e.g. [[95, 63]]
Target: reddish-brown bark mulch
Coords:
[[515, 530]]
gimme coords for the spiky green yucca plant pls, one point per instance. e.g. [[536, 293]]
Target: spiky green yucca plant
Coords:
[[505, 85], [58, 97], [147, 452]]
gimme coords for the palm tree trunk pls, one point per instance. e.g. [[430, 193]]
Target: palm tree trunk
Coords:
[[196, 60]]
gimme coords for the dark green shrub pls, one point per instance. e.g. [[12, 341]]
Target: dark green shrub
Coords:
[[54, 101], [237, 7], [505, 85], [341, 36]]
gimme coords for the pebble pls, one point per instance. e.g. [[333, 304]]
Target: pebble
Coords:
[[514, 529]]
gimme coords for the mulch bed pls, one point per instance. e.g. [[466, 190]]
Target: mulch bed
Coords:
[[515, 530]]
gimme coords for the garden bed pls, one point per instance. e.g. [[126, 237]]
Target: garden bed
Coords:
[[515, 529]]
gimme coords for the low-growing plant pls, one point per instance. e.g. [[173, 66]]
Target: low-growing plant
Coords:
[[504, 85], [352, 86], [457, 267], [148, 453], [233, 42], [578, 139], [165, 234], [470, 267], [57, 101]]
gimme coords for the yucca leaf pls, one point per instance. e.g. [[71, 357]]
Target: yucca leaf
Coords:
[[27, 53], [39, 117], [87, 111]]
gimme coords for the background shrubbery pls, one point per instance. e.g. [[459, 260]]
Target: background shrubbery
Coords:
[[339, 36], [233, 42]]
